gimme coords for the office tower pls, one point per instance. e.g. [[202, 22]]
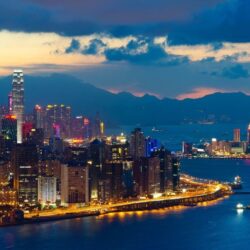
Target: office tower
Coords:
[[25, 164], [47, 191], [236, 135], [35, 136], [168, 170], [146, 172], [86, 128], [175, 172], [117, 151], [248, 134], [187, 148], [26, 130], [18, 101], [110, 185], [137, 144], [97, 158], [151, 145], [77, 127], [9, 128], [96, 127], [61, 116], [102, 127], [38, 116], [10, 103], [74, 184]]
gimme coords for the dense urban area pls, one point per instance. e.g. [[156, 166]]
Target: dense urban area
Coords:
[[54, 165]]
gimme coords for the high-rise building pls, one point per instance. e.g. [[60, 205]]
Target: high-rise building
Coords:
[[74, 184], [38, 116], [9, 128], [47, 191], [248, 134], [137, 144], [18, 101], [25, 164], [61, 116], [236, 135]]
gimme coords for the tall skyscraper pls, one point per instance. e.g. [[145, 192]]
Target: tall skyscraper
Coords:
[[137, 144], [248, 134], [18, 101], [38, 117]]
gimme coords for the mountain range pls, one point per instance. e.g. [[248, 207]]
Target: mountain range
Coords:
[[125, 108]]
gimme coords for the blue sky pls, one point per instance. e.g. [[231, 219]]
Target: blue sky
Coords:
[[178, 49]]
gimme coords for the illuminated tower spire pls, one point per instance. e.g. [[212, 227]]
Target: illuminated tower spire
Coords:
[[18, 101]]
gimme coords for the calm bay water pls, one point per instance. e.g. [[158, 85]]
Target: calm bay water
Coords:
[[215, 226]]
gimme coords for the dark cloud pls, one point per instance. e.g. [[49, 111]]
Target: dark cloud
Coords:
[[143, 51], [73, 47], [234, 72], [94, 47], [227, 21]]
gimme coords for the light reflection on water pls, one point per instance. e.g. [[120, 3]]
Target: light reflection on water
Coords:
[[210, 225]]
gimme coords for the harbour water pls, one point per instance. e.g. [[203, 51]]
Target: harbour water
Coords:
[[215, 225]]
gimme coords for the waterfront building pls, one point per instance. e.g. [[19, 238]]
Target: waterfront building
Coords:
[[74, 184], [137, 144], [25, 164], [187, 148], [47, 190], [110, 184], [237, 135], [97, 156], [18, 101]]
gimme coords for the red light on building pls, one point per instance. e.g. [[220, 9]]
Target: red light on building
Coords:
[[27, 128], [86, 121], [38, 107]]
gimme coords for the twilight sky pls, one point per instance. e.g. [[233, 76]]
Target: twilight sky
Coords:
[[168, 48]]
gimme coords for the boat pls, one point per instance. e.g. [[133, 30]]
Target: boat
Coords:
[[154, 129], [237, 184]]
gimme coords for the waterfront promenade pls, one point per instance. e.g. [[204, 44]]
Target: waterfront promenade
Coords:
[[201, 191]]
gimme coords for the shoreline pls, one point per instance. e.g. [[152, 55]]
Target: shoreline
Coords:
[[141, 205]]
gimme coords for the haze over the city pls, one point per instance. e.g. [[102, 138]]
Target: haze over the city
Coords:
[[167, 48]]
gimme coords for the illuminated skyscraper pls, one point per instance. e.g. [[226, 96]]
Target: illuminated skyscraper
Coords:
[[236, 135], [248, 134], [18, 101], [9, 128], [60, 115], [137, 144], [38, 117]]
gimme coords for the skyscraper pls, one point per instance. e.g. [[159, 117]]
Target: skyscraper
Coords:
[[137, 144], [236, 135], [248, 134], [9, 128], [18, 101]]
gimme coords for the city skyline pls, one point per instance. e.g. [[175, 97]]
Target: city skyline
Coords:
[[124, 124]]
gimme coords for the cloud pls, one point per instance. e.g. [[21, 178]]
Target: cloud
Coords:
[[73, 47], [143, 51], [94, 47], [199, 93], [227, 21], [234, 72]]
